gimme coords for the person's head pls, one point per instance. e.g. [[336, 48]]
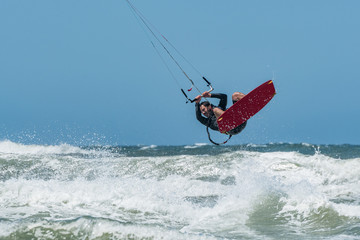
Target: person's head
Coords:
[[206, 108]]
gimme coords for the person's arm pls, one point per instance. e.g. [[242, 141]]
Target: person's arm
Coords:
[[221, 96]]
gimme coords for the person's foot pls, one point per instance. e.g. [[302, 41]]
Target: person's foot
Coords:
[[237, 96]]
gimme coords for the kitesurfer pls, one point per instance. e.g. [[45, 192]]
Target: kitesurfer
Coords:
[[212, 113]]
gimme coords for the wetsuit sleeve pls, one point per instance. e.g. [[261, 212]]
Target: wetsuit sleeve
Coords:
[[223, 100], [199, 117]]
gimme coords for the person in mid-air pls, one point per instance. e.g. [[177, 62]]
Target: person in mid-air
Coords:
[[212, 113]]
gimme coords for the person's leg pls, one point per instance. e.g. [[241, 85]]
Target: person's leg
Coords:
[[237, 96], [218, 112], [238, 129]]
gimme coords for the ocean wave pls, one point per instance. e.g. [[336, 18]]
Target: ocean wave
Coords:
[[7, 146], [196, 145], [148, 147], [206, 192]]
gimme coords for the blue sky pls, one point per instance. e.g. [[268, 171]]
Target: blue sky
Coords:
[[84, 72]]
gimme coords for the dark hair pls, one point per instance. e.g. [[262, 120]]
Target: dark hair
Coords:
[[205, 104]]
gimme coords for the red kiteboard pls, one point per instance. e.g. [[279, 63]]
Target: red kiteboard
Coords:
[[247, 107]]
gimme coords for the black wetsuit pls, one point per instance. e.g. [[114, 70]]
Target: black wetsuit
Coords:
[[211, 121]]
